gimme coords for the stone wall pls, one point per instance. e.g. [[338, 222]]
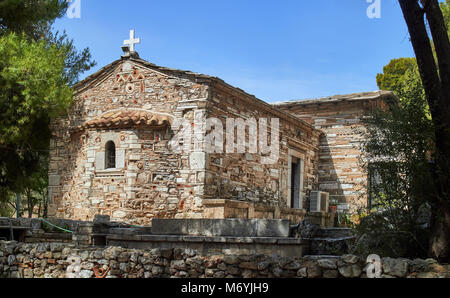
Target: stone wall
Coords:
[[220, 208], [56, 260], [339, 118], [120, 104], [242, 176], [148, 180]]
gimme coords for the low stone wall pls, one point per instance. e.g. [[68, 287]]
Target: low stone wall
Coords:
[[211, 246], [206, 236], [58, 260]]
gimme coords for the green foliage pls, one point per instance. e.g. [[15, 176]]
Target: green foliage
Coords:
[[34, 18], [445, 8], [389, 240], [31, 17], [33, 88], [393, 74], [75, 62], [345, 220], [6, 209], [37, 69], [398, 150]]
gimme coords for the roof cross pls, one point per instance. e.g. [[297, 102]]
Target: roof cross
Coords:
[[132, 41]]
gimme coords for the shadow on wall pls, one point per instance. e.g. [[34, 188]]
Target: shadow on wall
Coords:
[[329, 180]]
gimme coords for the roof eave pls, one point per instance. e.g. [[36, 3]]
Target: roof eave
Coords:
[[381, 94]]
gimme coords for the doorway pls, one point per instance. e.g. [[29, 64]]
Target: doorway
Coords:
[[296, 181]]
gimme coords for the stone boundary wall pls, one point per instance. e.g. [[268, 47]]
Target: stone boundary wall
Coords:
[[58, 260], [207, 237]]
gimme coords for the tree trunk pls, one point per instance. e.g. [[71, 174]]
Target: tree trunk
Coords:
[[39, 210], [45, 203], [29, 203], [442, 45], [436, 85], [439, 241]]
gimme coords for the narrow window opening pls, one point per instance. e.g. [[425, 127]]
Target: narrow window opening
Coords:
[[110, 155]]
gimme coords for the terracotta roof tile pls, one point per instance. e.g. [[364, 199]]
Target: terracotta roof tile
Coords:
[[125, 117]]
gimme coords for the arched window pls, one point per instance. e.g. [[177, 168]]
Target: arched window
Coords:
[[110, 155]]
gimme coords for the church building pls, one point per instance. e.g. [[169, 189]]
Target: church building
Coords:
[[115, 153]]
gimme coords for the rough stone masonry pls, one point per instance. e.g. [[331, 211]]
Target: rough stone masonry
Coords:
[[111, 155], [56, 260]]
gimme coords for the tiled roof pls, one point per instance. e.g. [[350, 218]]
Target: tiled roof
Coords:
[[127, 117], [338, 98]]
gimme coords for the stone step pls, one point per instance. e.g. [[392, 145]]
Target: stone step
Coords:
[[222, 227]]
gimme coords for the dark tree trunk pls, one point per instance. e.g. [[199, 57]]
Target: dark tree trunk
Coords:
[[436, 84], [439, 242], [39, 210], [29, 203]]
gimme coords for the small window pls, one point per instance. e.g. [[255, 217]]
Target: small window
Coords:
[[110, 155]]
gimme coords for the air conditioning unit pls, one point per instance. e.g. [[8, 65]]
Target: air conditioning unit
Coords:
[[319, 201]]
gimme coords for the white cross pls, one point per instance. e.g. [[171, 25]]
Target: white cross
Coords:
[[132, 41]]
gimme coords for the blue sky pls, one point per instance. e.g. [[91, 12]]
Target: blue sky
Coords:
[[276, 50]]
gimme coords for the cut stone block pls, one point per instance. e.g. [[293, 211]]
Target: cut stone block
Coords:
[[222, 227]]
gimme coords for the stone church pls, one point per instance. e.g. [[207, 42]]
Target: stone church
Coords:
[[112, 154]]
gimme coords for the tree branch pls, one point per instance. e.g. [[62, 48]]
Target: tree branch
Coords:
[[425, 5], [422, 47]]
